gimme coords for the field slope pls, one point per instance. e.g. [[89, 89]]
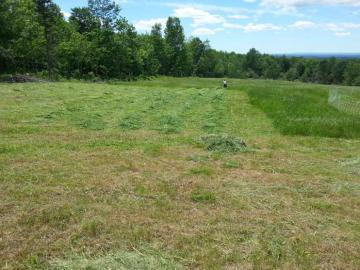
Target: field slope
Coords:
[[117, 176]]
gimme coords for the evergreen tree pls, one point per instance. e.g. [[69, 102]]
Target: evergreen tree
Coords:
[[49, 16], [6, 34], [196, 49], [253, 62], [158, 48], [175, 47]]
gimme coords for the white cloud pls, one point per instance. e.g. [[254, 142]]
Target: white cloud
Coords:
[[212, 8], [303, 24], [199, 16], [251, 27], [233, 26], [145, 25], [238, 16], [262, 27], [351, 25], [66, 14], [333, 27], [342, 34], [203, 31], [289, 4], [341, 27]]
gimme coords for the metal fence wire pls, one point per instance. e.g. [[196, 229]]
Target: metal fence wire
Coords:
[[347, 101]]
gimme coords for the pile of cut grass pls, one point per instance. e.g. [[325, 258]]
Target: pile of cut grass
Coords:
[[224, 143]]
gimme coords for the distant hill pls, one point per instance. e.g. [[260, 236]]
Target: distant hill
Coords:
[[323, 55]]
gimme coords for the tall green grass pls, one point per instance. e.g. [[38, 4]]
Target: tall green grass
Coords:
[[304, 110]]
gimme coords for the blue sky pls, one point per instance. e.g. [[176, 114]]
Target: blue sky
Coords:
[[271, 26]]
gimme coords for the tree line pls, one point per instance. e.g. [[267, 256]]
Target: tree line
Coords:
[[96, 42]]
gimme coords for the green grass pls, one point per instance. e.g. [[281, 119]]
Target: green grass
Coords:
[[200, 195], [96, 176], [304, 110]]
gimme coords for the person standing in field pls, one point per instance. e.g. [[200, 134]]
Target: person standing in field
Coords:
[[225, 84]]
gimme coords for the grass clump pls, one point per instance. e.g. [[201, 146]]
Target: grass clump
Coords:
[[141, 190], [224, 143], [202, 171], [131, 122], [170, 123], [93, 227], [93, 124], [203, 196], [88, 121], [57, 217]]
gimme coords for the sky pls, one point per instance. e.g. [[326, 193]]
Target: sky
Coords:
[[270, 26]]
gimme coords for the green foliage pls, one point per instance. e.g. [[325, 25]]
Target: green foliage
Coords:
[[352, 73], [175, 47], [157, 53], [50, 18], [83, 20], [253, 62]]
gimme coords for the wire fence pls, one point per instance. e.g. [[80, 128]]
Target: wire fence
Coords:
[[347, 101]]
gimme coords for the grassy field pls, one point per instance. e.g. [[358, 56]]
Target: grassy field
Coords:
[[123, 176]]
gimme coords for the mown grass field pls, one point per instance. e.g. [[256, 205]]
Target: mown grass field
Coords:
[[102, 176]]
